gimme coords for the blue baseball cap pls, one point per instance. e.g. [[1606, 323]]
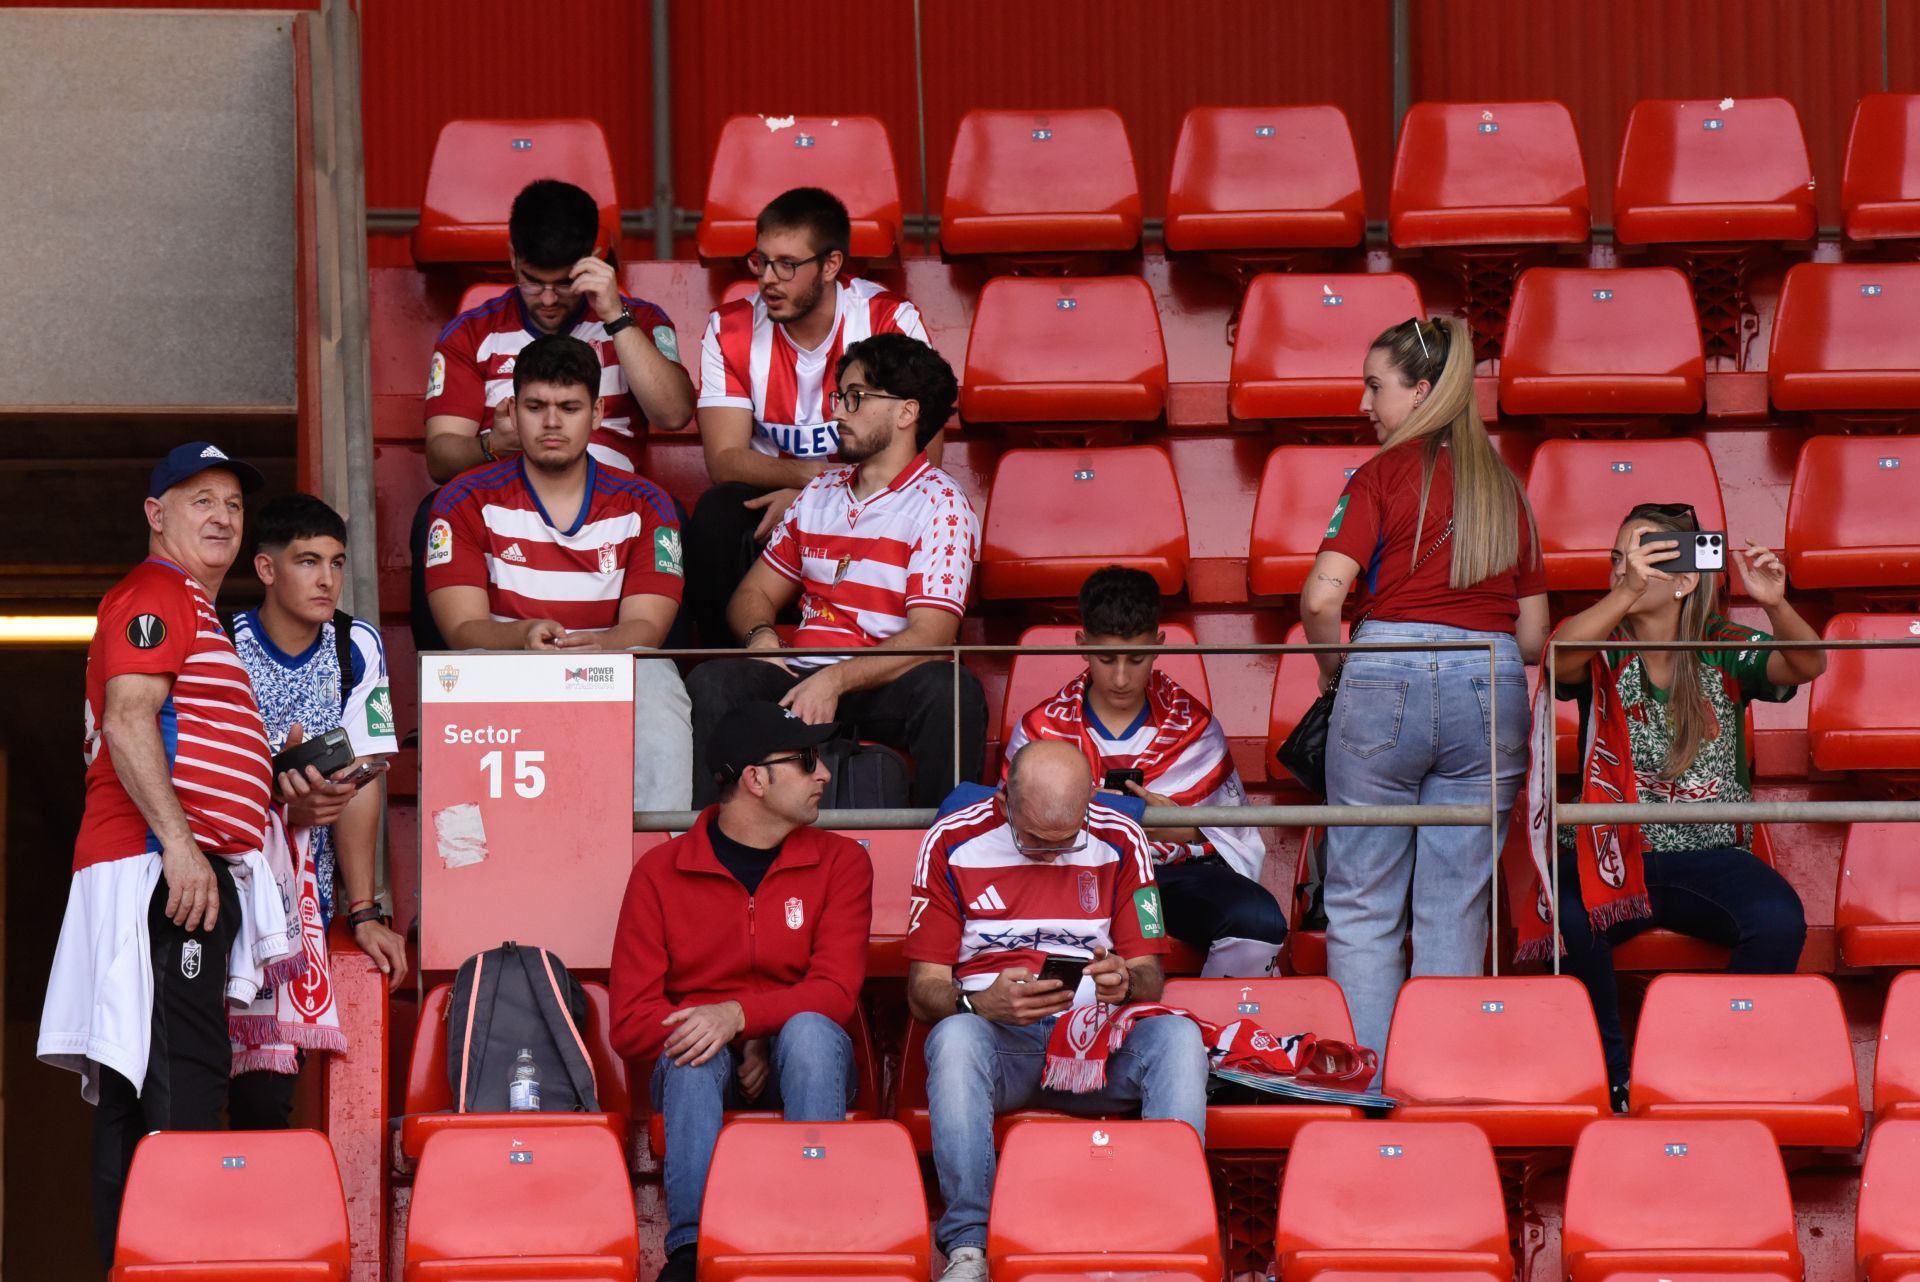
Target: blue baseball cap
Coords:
[[195, 457]]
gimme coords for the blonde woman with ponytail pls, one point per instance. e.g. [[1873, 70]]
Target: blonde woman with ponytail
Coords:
[[1675, 721], [1436, 532]]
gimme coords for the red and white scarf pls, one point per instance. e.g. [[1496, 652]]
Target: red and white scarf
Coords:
[[1084, 1038], [296, 1011]]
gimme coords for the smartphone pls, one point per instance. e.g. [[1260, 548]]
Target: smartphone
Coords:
[[1703, 551], [372, 768], [1117, 780], [326, 753], [1065, 969]]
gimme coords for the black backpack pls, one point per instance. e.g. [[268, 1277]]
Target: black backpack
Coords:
[[864, 776], [506, 999]]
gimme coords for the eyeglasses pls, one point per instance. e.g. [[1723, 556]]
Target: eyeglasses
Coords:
[[1675, 512], [538, 288], [1079, 844], [808, 759], [783, 268], [852, 397]]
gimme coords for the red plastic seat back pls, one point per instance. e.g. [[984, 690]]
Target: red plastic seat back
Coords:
[[231, 1206], [1851, 517], [1880, 181], [893, 853], [1025, 182], [1247, 178], [1711, 1046], [1304, 337], [1708, 170], [1842, 338], [1473, 173], [1074, 350], [1296, 1004], [1863, 712], [1298, 491], [1602, 342], [754, 161], [1034, 678], [1582, 490], [1896, 1065], [479, 166], [1051, 520], [1877, 906], [810, 1199], [1044, 1219], [1886, 1242]]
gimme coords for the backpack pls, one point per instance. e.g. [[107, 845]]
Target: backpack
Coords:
[[342, 649], [864, 776], [506, 999]]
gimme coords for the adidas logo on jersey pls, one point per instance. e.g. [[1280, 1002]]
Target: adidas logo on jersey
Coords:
[[989, 902], [506, 366], [514, 554]]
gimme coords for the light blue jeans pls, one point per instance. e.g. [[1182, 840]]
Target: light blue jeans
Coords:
[[977, 1069], [1413, 726], [812, 1081]]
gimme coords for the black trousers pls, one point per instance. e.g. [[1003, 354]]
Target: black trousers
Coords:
[[1207, 899], [913, 713], [189, 1059], [262, 1101], [720, 549]]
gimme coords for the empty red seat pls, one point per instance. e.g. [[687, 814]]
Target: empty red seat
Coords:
[[1488, 173], [1391, 1199], [1713, 1046], [1896, 1064], [1886, 1240], [812, 1200], [219, 1206], [1074, 350], [1251, 178], [1298, 491], [1582, 490], [1880, 181], [1863, 712], [1303, 339], [1877, 906], [1518, 1056], [893, 852], [1049, 1220], [1297, 1004], [1660, 949], [479, 166], [1034, 678], [1046, 182], [1851, 517], [1842, 338], [532, 1202], [1602, 342], [1296, 684], [1707, 170], [1050, 520], [1677, 1196], [758, 157]]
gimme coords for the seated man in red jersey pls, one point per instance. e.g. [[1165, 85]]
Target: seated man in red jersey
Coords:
[[879, 552], [1126, 715], [550, 550], [766, 372]]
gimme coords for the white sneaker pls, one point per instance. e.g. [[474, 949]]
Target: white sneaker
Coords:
[[966, 1264]]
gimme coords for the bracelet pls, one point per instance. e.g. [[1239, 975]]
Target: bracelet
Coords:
[[755, 630], [486, 446], [361, 917]]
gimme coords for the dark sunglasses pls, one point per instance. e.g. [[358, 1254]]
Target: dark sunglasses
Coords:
[[1675, 512], [808, 759]]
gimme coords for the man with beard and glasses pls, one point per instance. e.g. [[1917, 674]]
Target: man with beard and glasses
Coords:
[[551, 551], [879, 552], [767, 368]]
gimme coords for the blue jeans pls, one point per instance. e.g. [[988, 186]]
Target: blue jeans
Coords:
[[977, 1069], [812, 1081], [1726, 896], [1413, 726]]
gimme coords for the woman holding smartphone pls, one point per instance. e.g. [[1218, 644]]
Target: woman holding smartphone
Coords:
[[1674, 722]]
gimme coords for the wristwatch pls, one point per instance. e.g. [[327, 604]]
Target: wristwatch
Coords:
[[963, 1004], [620, 322]]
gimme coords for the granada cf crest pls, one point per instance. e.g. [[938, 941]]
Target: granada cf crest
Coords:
[[449, 677], [1089, 892], [796, 913]]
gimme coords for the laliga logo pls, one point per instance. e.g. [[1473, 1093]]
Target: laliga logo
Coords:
[[449, 677]]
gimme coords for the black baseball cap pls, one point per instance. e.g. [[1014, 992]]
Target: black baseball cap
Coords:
[[195, 457], [753, 732]]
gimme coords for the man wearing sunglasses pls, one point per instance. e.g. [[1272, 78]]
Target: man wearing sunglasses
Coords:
[[766, 373], [739, 954]]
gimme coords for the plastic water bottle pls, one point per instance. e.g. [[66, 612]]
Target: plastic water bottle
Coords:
[[523, 1092]]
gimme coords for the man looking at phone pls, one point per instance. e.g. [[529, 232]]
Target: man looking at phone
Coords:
[[1034, 875], [1144, 735]]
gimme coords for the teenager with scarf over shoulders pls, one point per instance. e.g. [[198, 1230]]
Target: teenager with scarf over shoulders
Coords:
[[1675, 722]]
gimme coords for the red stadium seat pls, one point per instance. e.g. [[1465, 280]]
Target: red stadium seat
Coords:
[[1048, 1220], [1877, 906], [429, 1095], [218, 1206], [1303, 338], [1604, 343], [1660, 949], [1713, 171], [1518, 1056], [479, 166], [1677, 1197], [535, 1202], [1581, 490], [1296, 1004], [1488, 173], [1851, 517], [1075, 350], [1034, 678], [1041, 182], [894, 853], [1391, 1200], [1711, 1046], [910, 1095], [1254, 178], [754, 161], [1886, 1241], [1880, 181], [1296, 684], [814, 1200], [1843, 338], [1863, 712], [1298, 491], [1896, 1064], [1050, 520]]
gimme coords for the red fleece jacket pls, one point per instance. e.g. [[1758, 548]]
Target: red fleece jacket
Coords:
[[690, 935]]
